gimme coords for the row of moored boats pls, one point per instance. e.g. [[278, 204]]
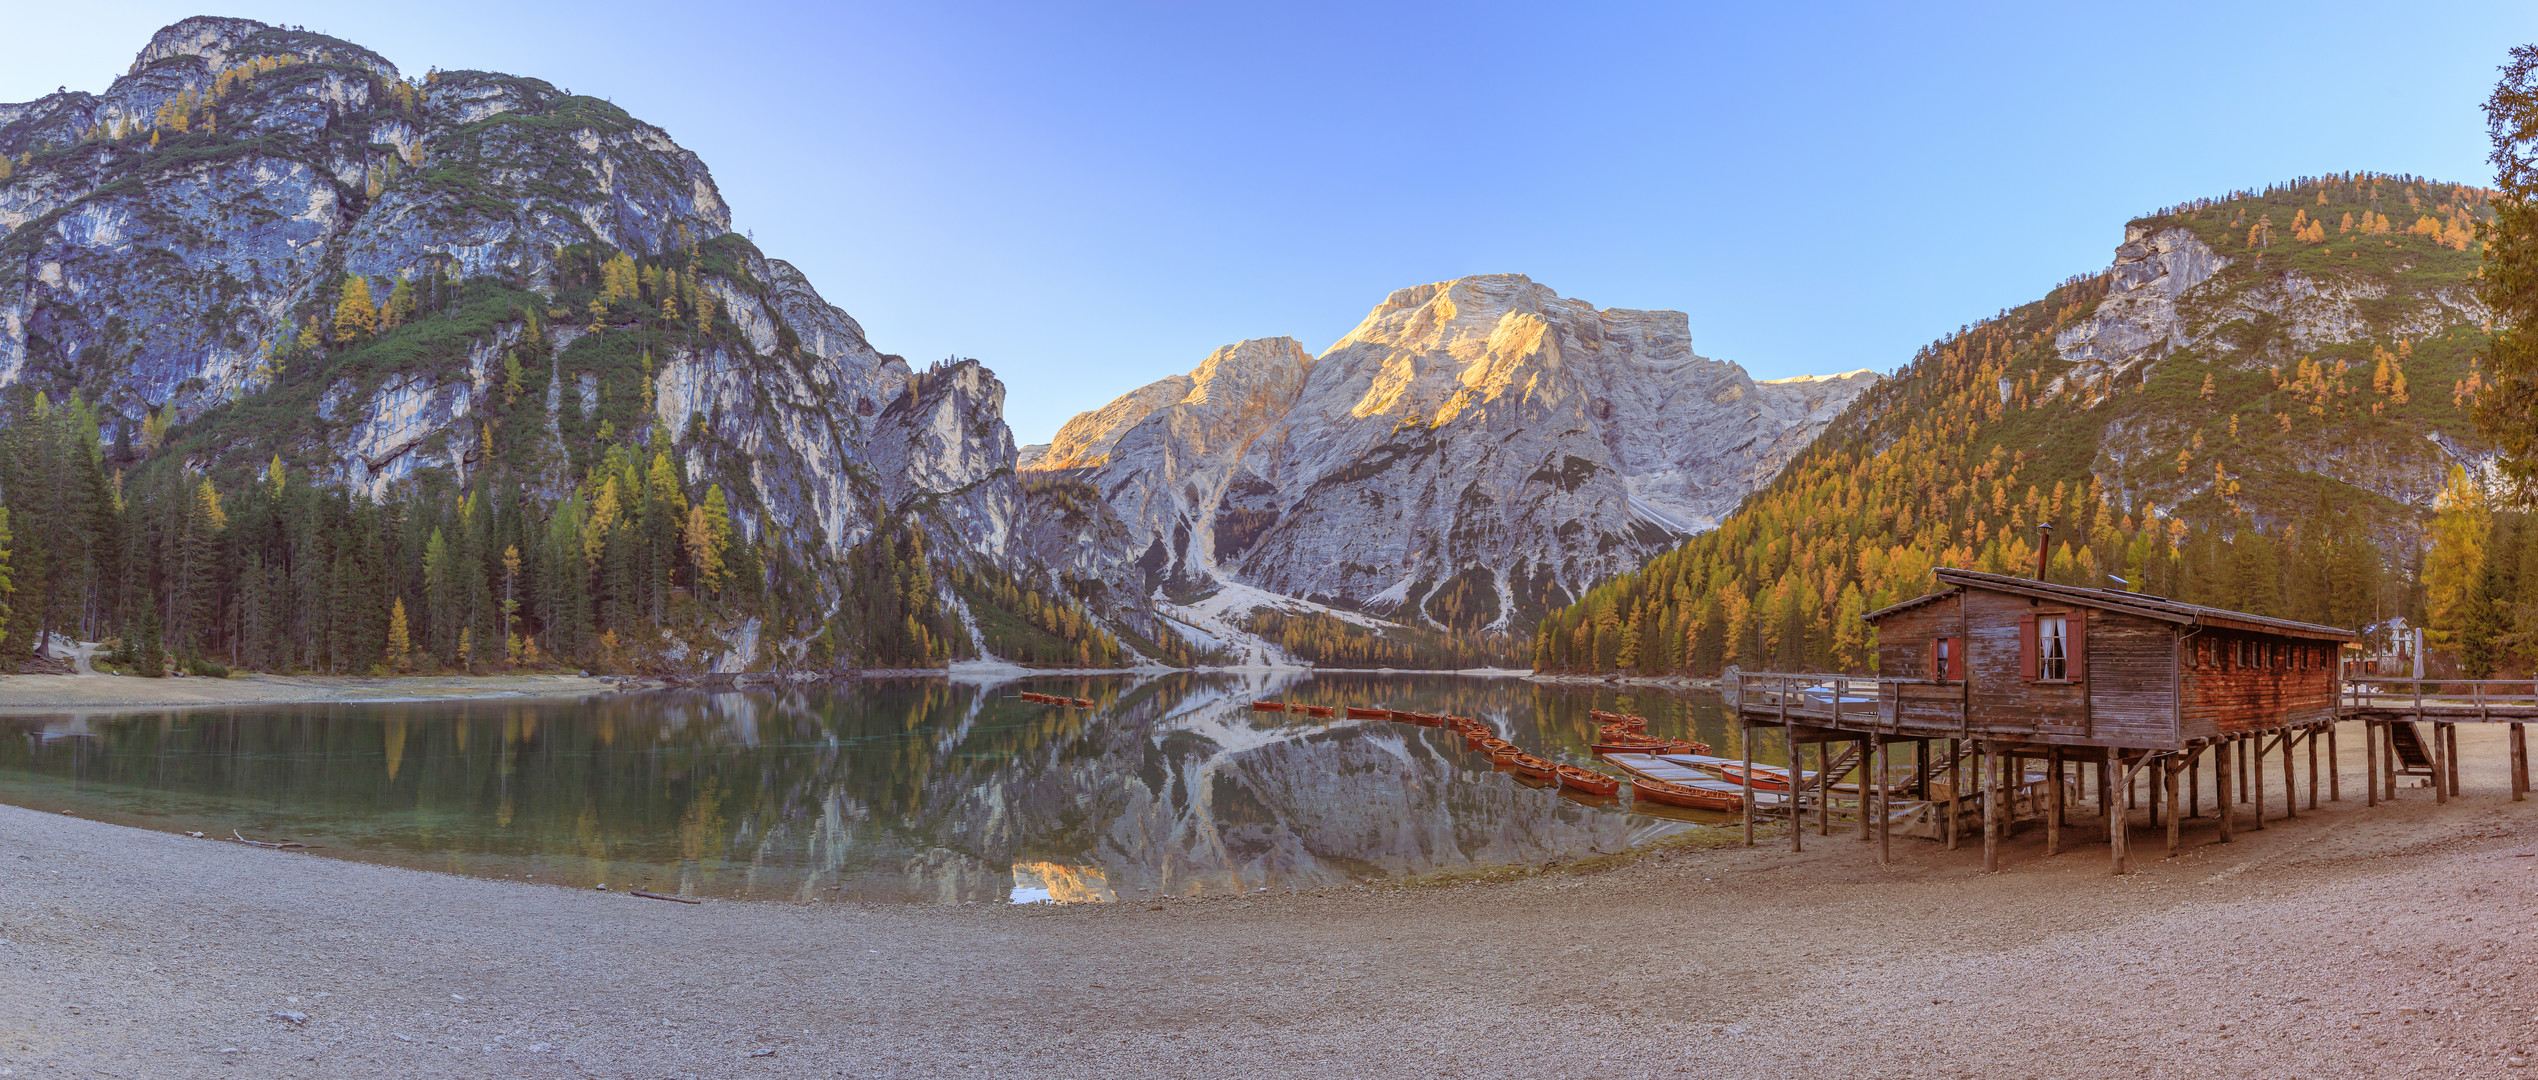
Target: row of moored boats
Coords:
[[1669, 772]]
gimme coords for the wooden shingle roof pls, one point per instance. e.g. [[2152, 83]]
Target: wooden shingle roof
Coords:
[[2130, 603]]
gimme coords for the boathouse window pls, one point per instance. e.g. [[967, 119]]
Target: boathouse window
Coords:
[[2051, 646], [1947, 661], [2053, 635]]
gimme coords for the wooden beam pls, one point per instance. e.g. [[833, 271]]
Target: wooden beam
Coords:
[[2221, 755], [2174, 818], [2256, 789], [1748, 805], [1989, 768], [2290, 789], [1956, 790], [2452, 761], [2335, 780], [2312, 740], [2194, 784], [2370, 761], [1885, 803], [2440, 766], [2053, 801], [2520, 763], [1867, 756]]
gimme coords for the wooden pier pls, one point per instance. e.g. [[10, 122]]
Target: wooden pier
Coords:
[[2072, 707]]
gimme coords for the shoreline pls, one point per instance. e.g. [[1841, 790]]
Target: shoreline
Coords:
[[2356, 942], [83, 693], [20, 694]]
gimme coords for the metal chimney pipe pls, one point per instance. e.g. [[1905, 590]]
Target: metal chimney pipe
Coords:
[[2044, 546]]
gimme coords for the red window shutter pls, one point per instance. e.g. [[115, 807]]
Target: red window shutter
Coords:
[[1956, 659], [2027, 647], [2077, 667]]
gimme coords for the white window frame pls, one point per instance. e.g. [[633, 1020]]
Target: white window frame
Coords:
[[2053, 648]]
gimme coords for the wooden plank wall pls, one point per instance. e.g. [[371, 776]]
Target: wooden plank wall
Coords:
[[2004, 700], [2224, 698], [2127, 696], [2132, 680]]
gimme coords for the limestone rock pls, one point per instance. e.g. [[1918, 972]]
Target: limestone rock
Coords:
[[1473, 453]]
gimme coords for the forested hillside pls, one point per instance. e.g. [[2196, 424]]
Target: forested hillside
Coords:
[[291, 343], [2255, 408]]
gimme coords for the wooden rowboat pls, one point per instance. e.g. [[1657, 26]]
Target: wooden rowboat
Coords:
[[1311, 710], [1765, 777], [1496, 747], [1268, 706], [1357, 713], [1587, 780], [1528, 765], [1685, 795]]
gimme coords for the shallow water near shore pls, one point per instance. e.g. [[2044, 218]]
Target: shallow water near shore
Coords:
[[915, 789]]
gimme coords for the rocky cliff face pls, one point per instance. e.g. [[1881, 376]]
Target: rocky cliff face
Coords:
[[175, 250], [1474, 452], [2172, 296]]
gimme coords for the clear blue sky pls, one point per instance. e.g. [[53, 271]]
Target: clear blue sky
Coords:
[[1091, 197]]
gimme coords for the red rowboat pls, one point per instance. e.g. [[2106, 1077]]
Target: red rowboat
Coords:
[[1528, 765], [1697, 798], [1766, 777], [1496, 747], [1311, 710], [1268, 706], [1588, 780], [1356, 713]]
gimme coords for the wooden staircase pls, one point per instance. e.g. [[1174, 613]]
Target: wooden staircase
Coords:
[[2413, 757]]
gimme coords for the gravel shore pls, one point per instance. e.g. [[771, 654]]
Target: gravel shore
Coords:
[[2351, 942], [59, 693]]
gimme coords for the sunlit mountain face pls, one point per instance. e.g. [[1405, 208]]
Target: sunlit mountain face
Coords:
[[916, 790]]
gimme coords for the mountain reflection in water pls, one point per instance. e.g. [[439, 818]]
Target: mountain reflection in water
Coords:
[[917, 789]]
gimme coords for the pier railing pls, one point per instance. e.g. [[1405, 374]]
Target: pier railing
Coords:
[[2445, 700]]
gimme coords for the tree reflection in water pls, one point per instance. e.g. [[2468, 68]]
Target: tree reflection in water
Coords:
[[917, 789]]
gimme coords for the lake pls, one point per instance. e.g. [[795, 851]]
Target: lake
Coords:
[[926, 790]]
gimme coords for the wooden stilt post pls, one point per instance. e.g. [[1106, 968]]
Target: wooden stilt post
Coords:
[[1823, 789], [2335, 780], [2255, 789], [2440, 766], [2520, 763], [2170, 769], [2105, 786], [2290, 786], [2118, 842], [2389, 759], [1988, 767], [1956, 790], [2312, 740], [2370, 763], [2150, 781], [2239, 758], [1748, 776], [1868, 747], [2194, 783], [2053, 801], [2221, 756], [1885, 803], [1797, 780], [2450, 761]]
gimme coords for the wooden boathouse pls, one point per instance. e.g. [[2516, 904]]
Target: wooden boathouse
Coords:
[[2018, 698]]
